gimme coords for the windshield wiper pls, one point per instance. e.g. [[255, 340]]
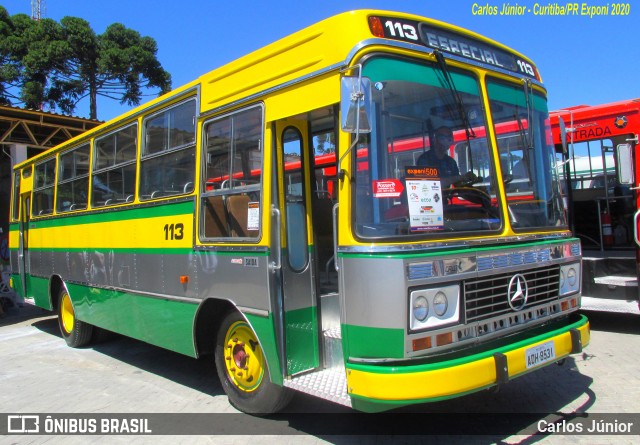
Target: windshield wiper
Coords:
[[524, 138], [455, 94], [528, 91]]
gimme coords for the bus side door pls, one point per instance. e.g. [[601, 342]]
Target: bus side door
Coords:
[[298, 290]]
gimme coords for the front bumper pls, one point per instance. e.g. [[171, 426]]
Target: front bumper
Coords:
[[402, 385]]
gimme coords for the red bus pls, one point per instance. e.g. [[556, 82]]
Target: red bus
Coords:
[[603, 199]]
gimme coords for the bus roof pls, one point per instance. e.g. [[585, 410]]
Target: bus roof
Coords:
[[326, 46], [598, 121]]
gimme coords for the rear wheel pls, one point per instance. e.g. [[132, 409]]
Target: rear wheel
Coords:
[[243, 371], [75, 332]]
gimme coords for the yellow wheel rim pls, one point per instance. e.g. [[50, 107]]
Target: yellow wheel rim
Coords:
[[66, 313], [243, 357]]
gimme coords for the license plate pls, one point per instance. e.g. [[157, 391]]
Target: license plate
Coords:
[[546, 352]]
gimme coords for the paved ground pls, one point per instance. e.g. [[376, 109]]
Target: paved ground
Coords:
[[40, 374]]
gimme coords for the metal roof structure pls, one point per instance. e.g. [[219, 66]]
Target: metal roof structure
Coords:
[[39, 129]]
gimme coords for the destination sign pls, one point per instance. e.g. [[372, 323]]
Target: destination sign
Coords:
[[454, 43]]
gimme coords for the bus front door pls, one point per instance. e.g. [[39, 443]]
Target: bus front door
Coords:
[[298, 290]]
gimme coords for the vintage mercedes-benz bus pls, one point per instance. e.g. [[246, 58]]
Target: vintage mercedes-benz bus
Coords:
[[286, 213]]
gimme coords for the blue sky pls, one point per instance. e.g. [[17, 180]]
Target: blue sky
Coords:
[[582, 60]]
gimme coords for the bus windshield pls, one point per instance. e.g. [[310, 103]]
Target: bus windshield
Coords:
[[527, 157], [426, 167]]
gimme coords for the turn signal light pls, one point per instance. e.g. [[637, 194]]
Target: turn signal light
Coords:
[[184, 279], [444, 339], [421, 343]]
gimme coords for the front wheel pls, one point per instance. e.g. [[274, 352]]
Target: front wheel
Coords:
[[242, 369], [75, 332]]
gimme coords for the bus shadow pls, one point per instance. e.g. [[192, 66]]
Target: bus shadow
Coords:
[[16, 314], [198, 374], [551, 394], [614, 322], [519, 408]]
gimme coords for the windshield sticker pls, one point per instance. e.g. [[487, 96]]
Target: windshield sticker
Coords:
[[387, 188], [424, 196]]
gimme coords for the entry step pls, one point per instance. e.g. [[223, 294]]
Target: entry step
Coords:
[[610, 305], [328, 384], [616, 280]]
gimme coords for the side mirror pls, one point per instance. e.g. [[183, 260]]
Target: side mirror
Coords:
[[563, 135], [624, 158], [355, 104]]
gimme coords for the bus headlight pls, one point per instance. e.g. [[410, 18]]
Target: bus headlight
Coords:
[[431, 308], [440, 304], [420, 308], [569, 278]]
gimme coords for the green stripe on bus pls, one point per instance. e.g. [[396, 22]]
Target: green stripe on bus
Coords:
[[167, 323], [158, 321], [370, 342], [302, 339], [38, 289], [160, 251], [265, 330], [116, 214]]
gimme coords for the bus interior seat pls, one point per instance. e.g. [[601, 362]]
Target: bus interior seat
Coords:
[[215, 218], [238, 210]]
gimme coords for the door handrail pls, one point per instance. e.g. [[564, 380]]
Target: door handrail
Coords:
[[277, 264]]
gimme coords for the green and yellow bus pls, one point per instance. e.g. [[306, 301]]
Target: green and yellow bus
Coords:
[[280, 213]]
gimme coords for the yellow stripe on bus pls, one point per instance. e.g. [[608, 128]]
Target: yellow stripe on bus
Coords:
[[161, 232]]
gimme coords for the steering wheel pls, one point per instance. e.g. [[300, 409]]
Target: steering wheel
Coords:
[[473, 195], [467, 180]]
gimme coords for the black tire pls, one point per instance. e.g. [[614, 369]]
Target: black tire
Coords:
[[242, 369], [75, 332]]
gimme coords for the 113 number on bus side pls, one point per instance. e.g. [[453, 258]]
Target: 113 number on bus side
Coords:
[[173, 231]]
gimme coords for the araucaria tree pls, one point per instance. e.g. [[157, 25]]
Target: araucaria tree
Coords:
[[60, 64]]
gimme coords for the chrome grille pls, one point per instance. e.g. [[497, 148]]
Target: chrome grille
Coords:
[[486, 297]]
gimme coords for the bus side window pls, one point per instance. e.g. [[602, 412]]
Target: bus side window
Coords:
[[43, 187], [167, 162], [73, 179], [114, 168]]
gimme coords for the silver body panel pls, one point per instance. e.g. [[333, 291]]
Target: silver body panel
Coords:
[[371, 283], [240, 277]]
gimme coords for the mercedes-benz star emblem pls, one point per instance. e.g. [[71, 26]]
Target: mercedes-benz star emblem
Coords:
[[517, 292]]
